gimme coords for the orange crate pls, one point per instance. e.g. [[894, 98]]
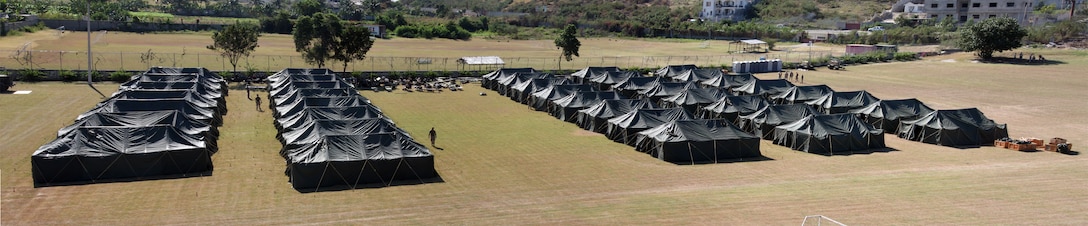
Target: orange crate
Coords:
[[1021, 147], [1037, 142], [1001, 144]]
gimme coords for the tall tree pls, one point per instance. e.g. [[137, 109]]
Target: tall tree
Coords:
[[309, 7], [354, 43], [568, 43], [990, 35], [315, 37], [235, 41]]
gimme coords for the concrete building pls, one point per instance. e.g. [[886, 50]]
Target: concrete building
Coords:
[[963, 10], [720, 10]]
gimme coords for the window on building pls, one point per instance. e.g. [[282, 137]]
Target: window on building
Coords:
[[949, 16], [976, 5], [992, 16], [934, 5], [974, 16], [950, 5], [964, 5], [963, 19], [1010, 4], [993, 4], [707, 4]]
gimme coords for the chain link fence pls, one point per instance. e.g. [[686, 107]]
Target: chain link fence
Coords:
[[77, 60]]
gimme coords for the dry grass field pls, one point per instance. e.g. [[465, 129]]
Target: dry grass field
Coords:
[[503, 164], [123, 50]]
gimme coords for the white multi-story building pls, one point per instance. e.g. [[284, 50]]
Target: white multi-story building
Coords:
[[719, 10], [963, 10]]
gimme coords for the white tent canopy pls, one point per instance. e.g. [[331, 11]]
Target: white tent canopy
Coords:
[[481, 62]]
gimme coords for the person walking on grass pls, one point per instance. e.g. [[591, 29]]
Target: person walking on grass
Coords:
[[247, 89], [258, 100], [432, 135]]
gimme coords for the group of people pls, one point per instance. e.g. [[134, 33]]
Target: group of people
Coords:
[[1031, 57], [791, 76], [248, 85]]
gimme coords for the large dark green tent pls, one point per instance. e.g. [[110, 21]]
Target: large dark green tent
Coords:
[[842, 102], [540, 100], [93, 154], [624, 127], [729, 80], [829, 134], [762, 122], [698, 75], [595, 118], [698, 141], [489, 79], [886, 114], [692, 99], [520, 92], [765, 88], [565, 108], [335, 138], [731, 107], [634, 85], [673, 70], [662, 90], [800, 94], [958, 128], [581, 76], [611, 78], [506, 85]]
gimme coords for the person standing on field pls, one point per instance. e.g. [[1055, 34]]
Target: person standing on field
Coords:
[[433, 135], [258, 100]]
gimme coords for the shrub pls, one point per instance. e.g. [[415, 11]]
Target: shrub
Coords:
[[227, 75], [31, 75], [906, 56], [120, 76], [68, 76]]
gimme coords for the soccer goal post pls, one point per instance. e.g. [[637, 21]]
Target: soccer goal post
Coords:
[[819, 220]]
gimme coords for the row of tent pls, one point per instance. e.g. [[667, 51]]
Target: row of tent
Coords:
[[814, 119], [162, 123], [334, 137]]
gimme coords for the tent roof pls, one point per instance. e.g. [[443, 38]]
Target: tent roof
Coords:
[[585, 99], [538, 84], [753, 41], [505, 72], [781, 114], [665, 89], [591, 72], [648, 118], [853, 99], [729, 80], [112, 141], [637, 83], [894, 109], [693, 96], [698, 75], [673, 70], [764, 87], [696, 130], [560, 91], [738, 104], [954, 119], [611, 108], [343, 148], [613, 77], [481, 60], [827, 125], [803, 93]]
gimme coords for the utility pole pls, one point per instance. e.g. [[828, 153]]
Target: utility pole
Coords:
[[90, 72]]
